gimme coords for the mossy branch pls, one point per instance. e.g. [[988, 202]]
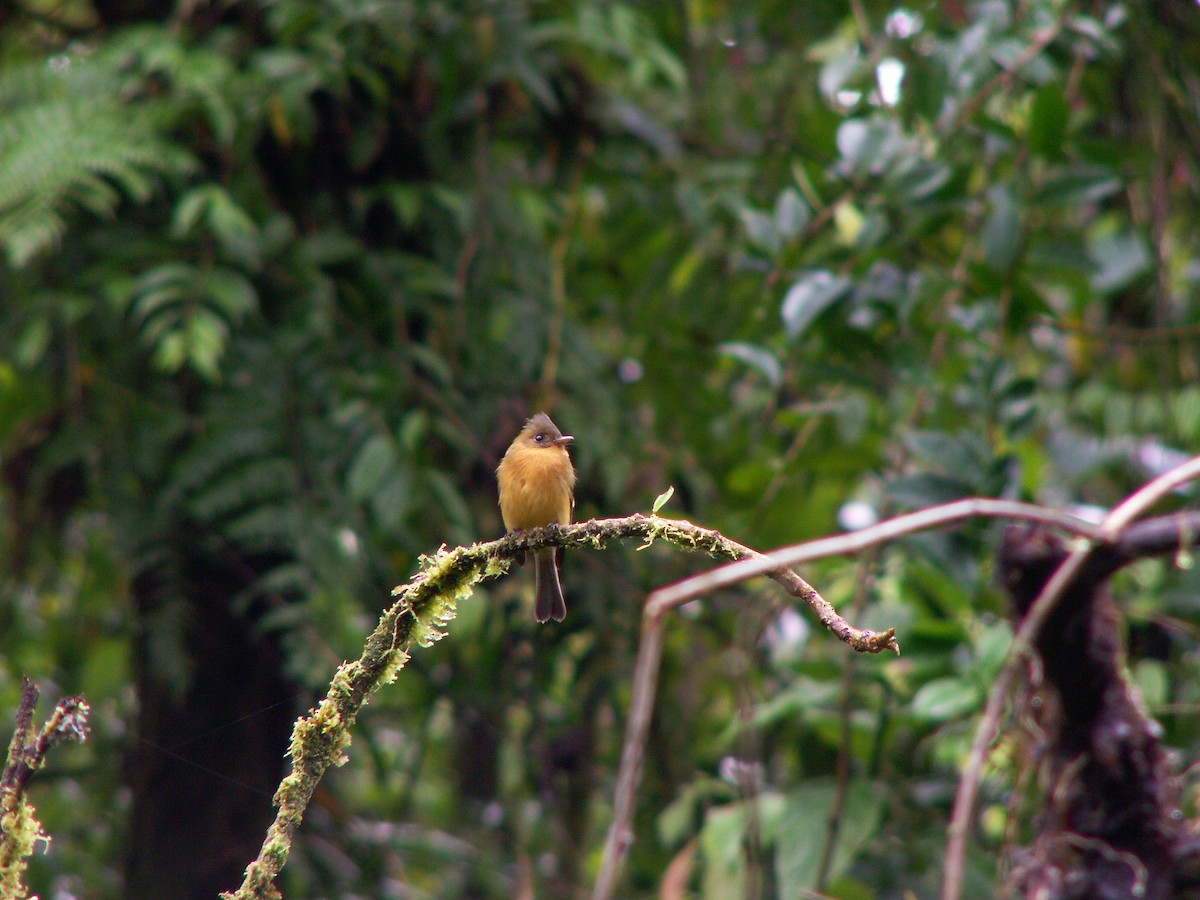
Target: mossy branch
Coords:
[[20, 831], [423, 607]]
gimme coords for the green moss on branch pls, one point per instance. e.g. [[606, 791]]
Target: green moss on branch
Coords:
[[423, 608]]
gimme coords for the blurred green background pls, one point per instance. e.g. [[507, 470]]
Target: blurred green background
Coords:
[[280, 280]]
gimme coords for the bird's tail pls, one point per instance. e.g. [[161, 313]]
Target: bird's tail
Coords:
[[549, 602]]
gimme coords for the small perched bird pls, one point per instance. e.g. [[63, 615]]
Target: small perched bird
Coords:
[[537, 488]]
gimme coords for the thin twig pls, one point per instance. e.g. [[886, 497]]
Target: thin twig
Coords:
[[21, 735], [641, 711], [646, 670], [857, 541], [864, 25], [1125, 334], [558, 292], [645, 688], [1144, 498], [1041, 40], [968, 785], [864, 581]]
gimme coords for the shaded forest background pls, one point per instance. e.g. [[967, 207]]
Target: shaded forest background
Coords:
[[280, 280]]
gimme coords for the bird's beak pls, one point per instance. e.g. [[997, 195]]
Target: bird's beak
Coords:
[[564, 440]]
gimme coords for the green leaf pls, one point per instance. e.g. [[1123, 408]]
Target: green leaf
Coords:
[[231, 293], [374, 460], [62, 147], [758, 358], [331, 246], [869, 146], [804, 827], [1048, 121], [32, 342], [918, 180], [1057, 256], [750, 477], [1154, 682], [959, 453], [991, 649], [405, 201], [392, 499], [944, 699], [852, 412], [164, 285], [661, 500], [815, 292], [761, 231], [171, 352], [188, 210], [794, 702], [1002, 230], [1079, 185], [1120, 259], [677, 823], [791, 214], [722, 842], [232, 225], [926, 489], [212, 205], [205, 334]]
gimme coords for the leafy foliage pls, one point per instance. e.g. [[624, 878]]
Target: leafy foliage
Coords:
[[68, 141], [282, 280]]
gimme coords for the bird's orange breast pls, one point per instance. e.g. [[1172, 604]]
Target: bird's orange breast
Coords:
[[536, 487]]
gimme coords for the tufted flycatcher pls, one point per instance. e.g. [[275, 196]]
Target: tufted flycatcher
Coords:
[[537, 488]]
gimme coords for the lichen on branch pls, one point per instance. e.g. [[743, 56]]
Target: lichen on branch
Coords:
[[20, 831], [423, 607]]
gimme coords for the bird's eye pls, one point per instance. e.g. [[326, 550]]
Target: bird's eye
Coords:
[[540, 438]]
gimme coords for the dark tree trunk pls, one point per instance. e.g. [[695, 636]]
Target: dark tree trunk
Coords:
[[212, 733], [1111, 826]]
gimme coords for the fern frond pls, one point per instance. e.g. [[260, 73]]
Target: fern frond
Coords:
[[65, 148], [264, 529], [224, 448], [253, 484]]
